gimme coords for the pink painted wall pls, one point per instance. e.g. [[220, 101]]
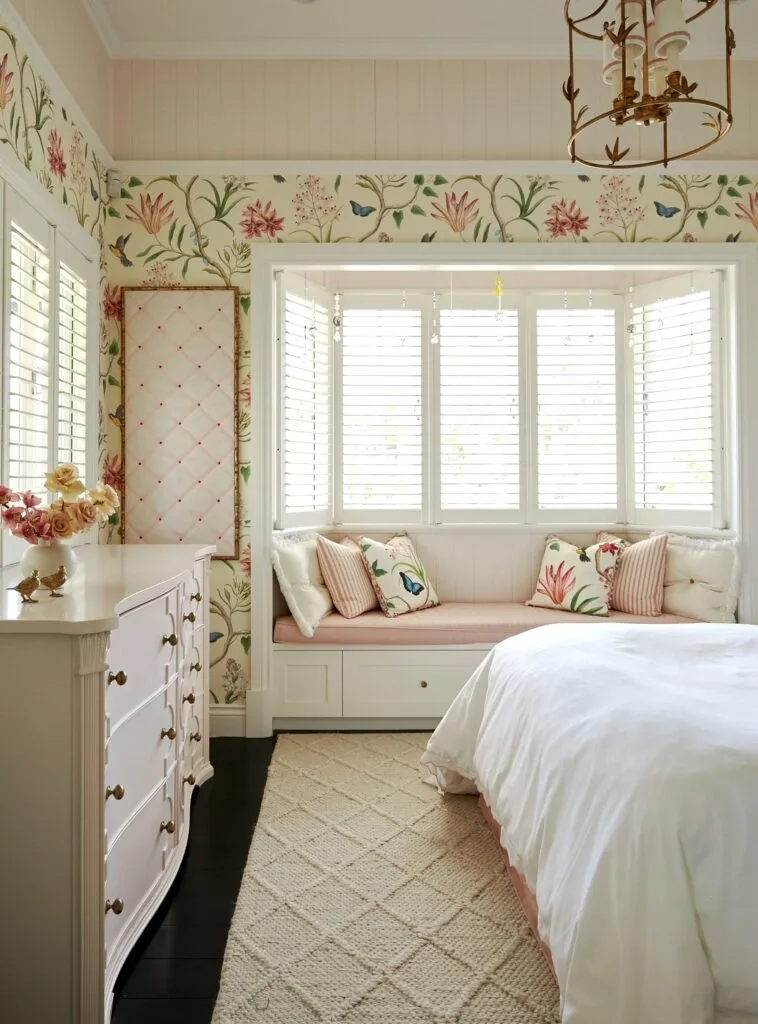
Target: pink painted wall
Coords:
[[363, 110], [64, 31]]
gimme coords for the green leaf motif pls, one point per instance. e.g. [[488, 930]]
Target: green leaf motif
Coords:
[[397, 216], [113, 212], [134, 182], [245, 473], [365, 547], [742, 180], [418, 179], [439, 180], [418, 211], [245, 643], [555, 547], [722, 211], [486, 234], [113, 382], [641, 184], [428, 237], [477, 228], [429, 191], [389, 604], [245, 303], [113, 348], [734, 192], [723, 179], [337, 182], [702, 217]]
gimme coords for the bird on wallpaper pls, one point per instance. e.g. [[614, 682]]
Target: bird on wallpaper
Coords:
[[117, 417], [27, 586], [119, 250], [55, 581], [93, 191]]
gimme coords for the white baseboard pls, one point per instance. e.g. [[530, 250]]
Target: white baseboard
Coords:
[[227, 720], [355, 724]]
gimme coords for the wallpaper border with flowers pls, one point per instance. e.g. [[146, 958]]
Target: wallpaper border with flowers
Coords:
[[193, 229]]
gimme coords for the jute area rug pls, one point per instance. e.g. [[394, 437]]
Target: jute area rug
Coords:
[[369, 899]]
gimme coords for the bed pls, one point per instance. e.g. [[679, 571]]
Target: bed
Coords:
[[621, 767]]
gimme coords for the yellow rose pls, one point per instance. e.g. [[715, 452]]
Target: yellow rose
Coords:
[[64, 480], [105, 500], [61, 525], [83, 515]]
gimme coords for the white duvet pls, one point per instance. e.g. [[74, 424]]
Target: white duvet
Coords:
[[622, 764]]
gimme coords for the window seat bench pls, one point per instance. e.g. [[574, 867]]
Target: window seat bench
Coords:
[[375, 672]]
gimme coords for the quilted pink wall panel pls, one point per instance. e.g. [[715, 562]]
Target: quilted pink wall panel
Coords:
[[180, 417]]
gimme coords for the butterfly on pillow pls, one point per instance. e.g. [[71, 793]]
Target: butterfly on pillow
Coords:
[[412, 586]]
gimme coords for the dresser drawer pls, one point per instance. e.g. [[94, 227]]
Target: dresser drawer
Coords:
[[137, 757], [400, 684], [137, 650], [138, 858]]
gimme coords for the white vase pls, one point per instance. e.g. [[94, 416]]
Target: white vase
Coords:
[[48, 558]]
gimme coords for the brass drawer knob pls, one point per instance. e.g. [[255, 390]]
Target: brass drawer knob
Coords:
[[117, 906], [190, 617], [119, 678], [195, 666], [190, 780], [117, 792], [196, 736], [167, 826], [423, 684], [168, 734], [173, 639], [196, 597], [190, 698]]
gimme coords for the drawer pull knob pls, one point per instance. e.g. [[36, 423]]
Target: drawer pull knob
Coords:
[[190, 698], [196, 597], [167, 826], [196, 667], [119, 678], [190, 780], [196, 736], [190, 617], [173, 639], [168, 734], [423, 684], [117, 906], [117, 792]]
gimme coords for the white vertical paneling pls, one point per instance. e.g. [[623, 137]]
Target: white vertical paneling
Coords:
[[363, 109], [386, 110]]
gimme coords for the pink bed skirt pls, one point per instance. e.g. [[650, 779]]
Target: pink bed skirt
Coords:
[[524, 893]]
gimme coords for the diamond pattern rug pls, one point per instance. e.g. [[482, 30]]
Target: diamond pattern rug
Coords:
[[369, 899]]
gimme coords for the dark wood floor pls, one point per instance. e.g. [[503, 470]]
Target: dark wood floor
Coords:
[[172, 974]]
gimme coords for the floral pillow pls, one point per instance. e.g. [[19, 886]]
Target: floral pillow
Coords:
[[576, 579], [397, 575]]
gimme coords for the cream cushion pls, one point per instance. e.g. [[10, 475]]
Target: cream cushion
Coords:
[[397, 575], [574, 578], [701, 579], [346, 576], [296, 566]]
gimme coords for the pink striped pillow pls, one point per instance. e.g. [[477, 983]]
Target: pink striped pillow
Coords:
[[638, 584], [346, 577]]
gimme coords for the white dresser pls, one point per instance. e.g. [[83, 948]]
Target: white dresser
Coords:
[[103, 736]]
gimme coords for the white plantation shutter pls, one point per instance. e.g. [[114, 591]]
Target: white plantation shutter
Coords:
[[479, 410], [673, 340], [381, 409], [306, 404], [28, 420], [576, 408], [72, 412]]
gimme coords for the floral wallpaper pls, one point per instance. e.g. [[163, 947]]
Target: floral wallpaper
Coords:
[[198, 230]]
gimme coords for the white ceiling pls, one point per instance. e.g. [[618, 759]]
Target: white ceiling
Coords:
[[360, 29]]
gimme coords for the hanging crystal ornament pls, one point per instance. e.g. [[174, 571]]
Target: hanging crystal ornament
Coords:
[[499, 314], [337, 318], [567, 338], [591, 337], [435, 336], [631, 326], [403, 304]]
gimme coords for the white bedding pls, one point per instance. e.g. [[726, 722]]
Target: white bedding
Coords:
[[622, 764]]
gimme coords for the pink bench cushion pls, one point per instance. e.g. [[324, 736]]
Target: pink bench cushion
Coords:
[[450, 623]]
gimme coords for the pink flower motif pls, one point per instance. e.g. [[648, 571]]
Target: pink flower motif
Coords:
[[245, 560], [112, 302], [30, 500], [384, 237], [113, 471], [153, 214], [688, 237], [260, 221], [7, 495], [55, 155], [458, 213], [6, 77], [609, 548], [557, 583], [245, 394], [39, 521], [25, 531], [618, 206], [563, 220], [749, 212], [12, 516]]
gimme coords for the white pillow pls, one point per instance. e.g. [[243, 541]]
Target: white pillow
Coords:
[[702, 578], [296, 566]]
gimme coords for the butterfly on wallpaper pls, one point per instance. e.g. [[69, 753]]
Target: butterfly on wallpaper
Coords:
[[361, 211], [665, 211], [412, 586], [119, 250]]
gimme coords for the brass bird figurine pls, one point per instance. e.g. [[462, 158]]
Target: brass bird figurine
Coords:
[[55, 581], [27, 587]]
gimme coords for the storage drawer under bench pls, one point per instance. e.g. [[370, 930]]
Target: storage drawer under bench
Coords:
[[403, 684]]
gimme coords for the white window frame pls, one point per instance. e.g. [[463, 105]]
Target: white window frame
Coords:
[[25, 202]]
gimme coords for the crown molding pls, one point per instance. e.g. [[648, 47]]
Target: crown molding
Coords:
[[10, 16], [101, 19]]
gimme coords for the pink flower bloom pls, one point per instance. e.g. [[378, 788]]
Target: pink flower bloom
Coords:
[[55, 155], [12, 516], [245, 560], [384, 237], [609, 548], [25, 531], [153, 214], [39, 521], [563, 220], [750, 212], [113, 471], [7, 495], [688, 237], [458, 213], [6, 77], [557, 583], [112, 302], [245, 391], [260, 221], [30, 500]]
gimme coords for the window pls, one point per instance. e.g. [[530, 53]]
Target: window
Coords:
[[49, 364], [576, 408]]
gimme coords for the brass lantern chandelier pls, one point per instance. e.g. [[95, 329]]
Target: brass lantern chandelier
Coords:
[[656, 114]]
